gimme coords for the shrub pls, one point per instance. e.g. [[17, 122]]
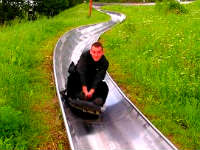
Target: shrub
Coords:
[[171, 6], [10, 9], [11, 129], [20, 9], [52, 7], [11, 121]]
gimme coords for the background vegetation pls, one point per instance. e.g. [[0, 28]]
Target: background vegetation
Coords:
[[22, 9], [131, 1], [155, 58], [25, 84], [124, 1]]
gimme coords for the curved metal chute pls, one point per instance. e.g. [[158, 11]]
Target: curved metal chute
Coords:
[[121, 125]]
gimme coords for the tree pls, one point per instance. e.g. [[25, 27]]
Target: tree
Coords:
[[51, 7], [74, 2], [10, 9]]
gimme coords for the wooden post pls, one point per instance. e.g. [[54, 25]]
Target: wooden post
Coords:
[[90, 9]]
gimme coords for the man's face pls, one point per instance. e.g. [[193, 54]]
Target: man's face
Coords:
[[96, 53]]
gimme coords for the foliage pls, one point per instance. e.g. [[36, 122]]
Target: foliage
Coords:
[[51, 7], [9, 9], [74, 2], [11, 128], [172, 6], [11, 121], [124, 1], [6, 144], [12, 9], [156, 58]]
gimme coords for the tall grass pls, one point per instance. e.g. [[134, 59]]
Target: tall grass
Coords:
[[155, 57], [24, 84], [172, 6]]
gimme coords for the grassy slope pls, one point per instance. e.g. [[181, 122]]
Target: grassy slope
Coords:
[[155, 58], [25, 80]]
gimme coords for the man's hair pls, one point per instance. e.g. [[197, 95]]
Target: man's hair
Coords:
[[97, 44]]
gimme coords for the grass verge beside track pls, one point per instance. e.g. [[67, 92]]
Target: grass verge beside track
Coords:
[[27, 96], [155, 58]]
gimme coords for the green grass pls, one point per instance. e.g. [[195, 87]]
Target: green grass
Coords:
[[155, 57], [24, 82]]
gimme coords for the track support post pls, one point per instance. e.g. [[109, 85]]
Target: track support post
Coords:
[[90, 9]]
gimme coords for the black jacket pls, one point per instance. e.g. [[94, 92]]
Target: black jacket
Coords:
[[91, 72]]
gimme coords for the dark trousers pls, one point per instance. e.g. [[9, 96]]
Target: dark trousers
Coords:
[[74, 88]]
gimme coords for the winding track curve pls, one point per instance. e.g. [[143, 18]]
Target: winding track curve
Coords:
[[121, 126]]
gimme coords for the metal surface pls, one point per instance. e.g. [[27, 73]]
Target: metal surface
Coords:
[[121, 126]]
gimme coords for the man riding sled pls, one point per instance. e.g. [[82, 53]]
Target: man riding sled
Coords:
[[85, 82]]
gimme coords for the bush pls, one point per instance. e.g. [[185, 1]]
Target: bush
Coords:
[[11, 121], [74, 2], [124, 1], [11, 129], [10, 9], [171, 6], [52, 7]]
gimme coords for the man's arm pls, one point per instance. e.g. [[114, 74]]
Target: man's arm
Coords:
[[85, 90], [81, 68], [100, 74]]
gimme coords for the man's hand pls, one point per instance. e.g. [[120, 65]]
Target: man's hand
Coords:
[[85, 91], [87, 94], [90, 93]]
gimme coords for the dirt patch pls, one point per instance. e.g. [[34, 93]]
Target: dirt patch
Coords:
[[56, 136]]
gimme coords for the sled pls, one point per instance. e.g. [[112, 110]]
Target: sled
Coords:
[[84, 106]]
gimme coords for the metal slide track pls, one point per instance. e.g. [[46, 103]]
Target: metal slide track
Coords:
[[121, 126]]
